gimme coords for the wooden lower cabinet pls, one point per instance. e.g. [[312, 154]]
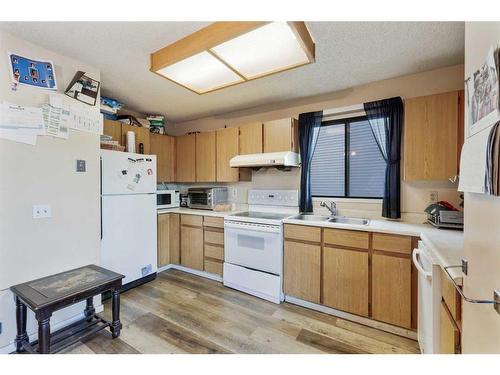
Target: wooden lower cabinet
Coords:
[[213, 229], [168, 239], [362, 273], [192, 242], [345, 280], [303, 270], [448, 332], [391, 289]]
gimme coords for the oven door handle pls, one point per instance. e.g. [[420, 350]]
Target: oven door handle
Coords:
[[418, 266], [253, 227]]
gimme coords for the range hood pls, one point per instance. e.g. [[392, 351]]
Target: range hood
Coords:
[[271, 159]]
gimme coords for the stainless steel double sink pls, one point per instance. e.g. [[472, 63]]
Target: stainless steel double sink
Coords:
[[332, 219]]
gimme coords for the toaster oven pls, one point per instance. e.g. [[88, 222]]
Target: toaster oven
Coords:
[[206, 198]]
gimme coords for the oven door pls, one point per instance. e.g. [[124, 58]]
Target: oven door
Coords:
[[255, 246]]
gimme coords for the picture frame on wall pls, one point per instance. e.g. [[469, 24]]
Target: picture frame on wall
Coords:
[[83, 88], [36, 73], [483, 96]]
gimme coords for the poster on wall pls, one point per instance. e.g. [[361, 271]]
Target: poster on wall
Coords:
[[32, 72], [83, 88], [483, 96]]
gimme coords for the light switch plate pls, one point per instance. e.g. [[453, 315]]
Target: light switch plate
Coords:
[[81, 165], [41, 211], [433, 196]]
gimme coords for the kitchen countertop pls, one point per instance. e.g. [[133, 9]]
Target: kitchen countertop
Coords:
[[445, 246], [192, 211]]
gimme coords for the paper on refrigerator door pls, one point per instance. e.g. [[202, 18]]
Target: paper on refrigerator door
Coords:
[[473, 163]]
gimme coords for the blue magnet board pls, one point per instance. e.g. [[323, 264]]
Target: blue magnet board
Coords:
[[32, 72]]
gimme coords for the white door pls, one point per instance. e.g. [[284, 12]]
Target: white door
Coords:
[[256, 246], [128, 244], [127, 173]]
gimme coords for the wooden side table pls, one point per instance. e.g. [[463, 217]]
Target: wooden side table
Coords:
[[46, 295]]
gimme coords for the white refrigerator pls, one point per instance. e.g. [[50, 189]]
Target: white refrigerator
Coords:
[[128, 214]]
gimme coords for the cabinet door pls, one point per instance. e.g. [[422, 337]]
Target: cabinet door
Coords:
[[163, 146], [168, 239], [281, 135], [251, 139], [205, 157], [391, 289], [227, 148], [141, 137], [113, 129], [192, 247], [302, 270], [449, 335], [431, 137], [186, 158], [345, 280]]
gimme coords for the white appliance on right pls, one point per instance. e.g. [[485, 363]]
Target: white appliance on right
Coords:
[[429, 300], [253, 244]]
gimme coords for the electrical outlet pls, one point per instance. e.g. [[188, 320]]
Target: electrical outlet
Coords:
[[41, 211], [433, 196]]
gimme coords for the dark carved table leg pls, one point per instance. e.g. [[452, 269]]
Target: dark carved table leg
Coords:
[[44, 333], [115, 306], [21, 325], [89, 310]]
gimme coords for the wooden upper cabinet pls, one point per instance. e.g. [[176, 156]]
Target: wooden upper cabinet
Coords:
[[186, 158], [251, 141], [433, 136], [141, 137], [113, 129], [281, 135], [205, 157], [163, 146], [227, 147]]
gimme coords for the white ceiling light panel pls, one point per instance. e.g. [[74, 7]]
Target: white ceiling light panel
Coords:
[[201, 72], [262, 51]]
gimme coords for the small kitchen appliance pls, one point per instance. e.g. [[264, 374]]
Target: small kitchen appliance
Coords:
[[167, 199], [207, 198]]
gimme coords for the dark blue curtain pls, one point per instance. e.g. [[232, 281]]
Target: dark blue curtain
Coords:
[[386, 121], [309, 125]]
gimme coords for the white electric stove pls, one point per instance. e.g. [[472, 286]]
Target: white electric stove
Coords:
[[253, 244]]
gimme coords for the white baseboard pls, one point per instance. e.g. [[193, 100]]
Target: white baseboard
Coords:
[[12, 347], [204, 274], [355, 318]]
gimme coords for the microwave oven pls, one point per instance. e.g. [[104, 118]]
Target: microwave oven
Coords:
[[167, 199]]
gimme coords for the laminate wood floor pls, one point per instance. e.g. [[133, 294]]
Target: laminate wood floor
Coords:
[[182, 313]]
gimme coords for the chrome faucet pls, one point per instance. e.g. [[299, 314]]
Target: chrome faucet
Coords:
[[332, 208]]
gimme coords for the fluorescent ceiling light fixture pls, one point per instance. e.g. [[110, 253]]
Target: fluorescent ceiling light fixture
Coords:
[[227, 53], [201, 72]]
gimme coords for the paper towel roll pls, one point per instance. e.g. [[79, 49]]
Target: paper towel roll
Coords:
[[130, 141]]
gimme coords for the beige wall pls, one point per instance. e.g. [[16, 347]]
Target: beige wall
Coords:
[[415, 197], [44, 174], [481, 324]]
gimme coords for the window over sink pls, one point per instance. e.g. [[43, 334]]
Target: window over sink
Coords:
[[347, 162]]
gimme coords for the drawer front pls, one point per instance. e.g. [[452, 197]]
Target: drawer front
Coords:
[[216, 252], [213, 267], [302, 233], [392, 243], [349, 238], [192, 220], [216, 238], [210, 221], [450, 297]]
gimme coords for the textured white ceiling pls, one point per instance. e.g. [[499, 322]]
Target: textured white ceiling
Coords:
[[347, 54]]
